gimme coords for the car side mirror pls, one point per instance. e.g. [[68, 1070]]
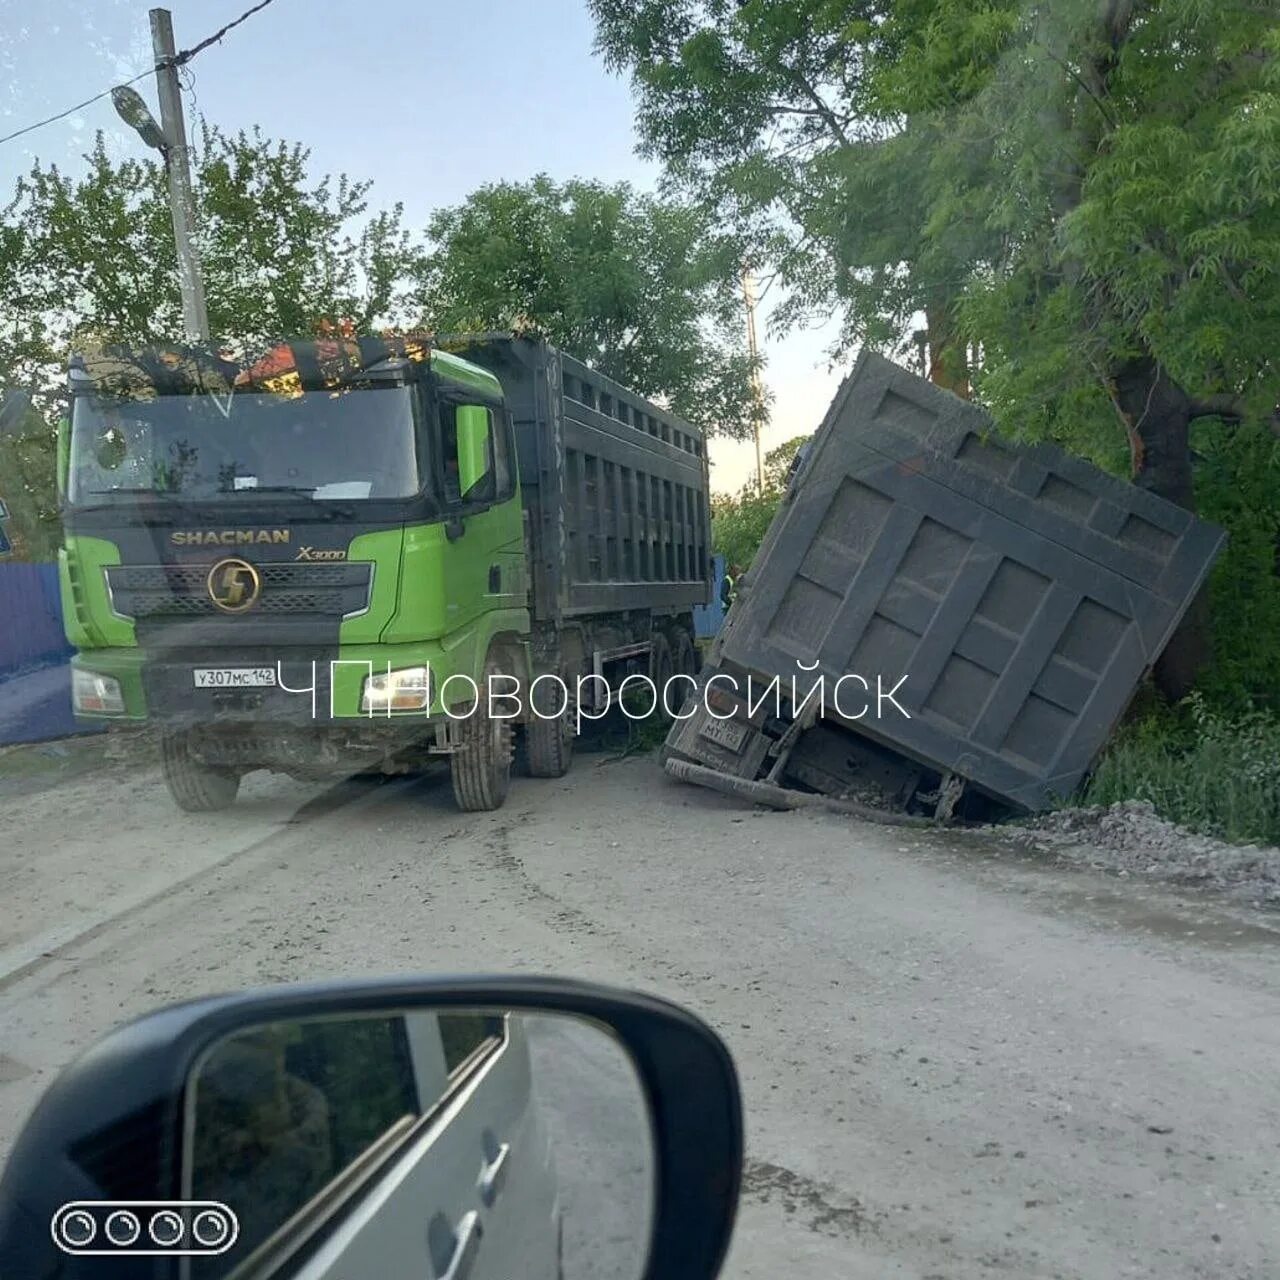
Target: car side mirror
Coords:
[[455, 1129], [475, 425], [14, 405]]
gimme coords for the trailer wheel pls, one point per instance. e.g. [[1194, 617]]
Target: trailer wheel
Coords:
[[196, 787], [548, 742], [481, 767], [661, 669], [685, 656]]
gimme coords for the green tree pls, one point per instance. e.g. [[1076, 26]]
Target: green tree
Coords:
[[1084, 189], [777, 462], [91, 258], [739, 522], [27, 487], [644, 289], [762, 110]]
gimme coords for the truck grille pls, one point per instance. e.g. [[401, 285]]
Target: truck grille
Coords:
[[152, 592]]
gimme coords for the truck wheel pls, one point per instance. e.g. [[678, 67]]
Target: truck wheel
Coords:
[[481, 767], [196, 787], [684, 655], [661, 669], [685, 661], [548, 743]]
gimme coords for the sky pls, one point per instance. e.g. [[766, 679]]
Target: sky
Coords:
[[429, 101]]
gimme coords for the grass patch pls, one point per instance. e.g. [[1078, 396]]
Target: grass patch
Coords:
[[622, 735], [1208, 771]]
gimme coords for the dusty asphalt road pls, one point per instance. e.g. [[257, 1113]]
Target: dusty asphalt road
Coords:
[[956, 1063]]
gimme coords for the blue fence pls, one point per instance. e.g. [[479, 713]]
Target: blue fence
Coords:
[[35, 680], [707, 618]]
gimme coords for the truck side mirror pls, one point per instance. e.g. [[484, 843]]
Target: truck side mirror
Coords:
[[13, 411], [474, 430]]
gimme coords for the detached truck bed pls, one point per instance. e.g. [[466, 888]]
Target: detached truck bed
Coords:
[[1010, 598]]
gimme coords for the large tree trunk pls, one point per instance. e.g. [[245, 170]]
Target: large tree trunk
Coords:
[[1159, 414], [948, 354]]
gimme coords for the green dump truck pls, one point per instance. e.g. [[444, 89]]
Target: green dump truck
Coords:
[[356, 554]]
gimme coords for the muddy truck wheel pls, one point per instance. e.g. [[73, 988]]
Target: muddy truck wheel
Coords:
[[661, 669], [684, 655], [481, 766], [196, 787], [548, 738]]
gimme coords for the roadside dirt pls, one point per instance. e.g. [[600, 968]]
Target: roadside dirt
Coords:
[[1130, 839], [960, 1058]]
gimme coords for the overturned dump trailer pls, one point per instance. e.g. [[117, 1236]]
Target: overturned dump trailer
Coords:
[[1009, 599]]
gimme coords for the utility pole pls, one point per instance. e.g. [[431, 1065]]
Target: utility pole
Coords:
[[177, 161], [753, 350]]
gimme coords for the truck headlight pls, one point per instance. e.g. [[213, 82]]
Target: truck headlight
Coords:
[[408, 689], [100, 695]]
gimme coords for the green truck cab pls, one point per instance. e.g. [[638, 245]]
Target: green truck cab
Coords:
[[358, 554]]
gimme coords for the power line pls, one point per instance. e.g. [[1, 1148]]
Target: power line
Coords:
[[62, 115], [187, 54], [180, 59]]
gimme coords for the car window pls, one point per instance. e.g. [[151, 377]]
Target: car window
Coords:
[[487, 488], [279, 1112], [463, 1034]]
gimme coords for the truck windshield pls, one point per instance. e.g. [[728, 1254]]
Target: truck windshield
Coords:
[[350, 444]]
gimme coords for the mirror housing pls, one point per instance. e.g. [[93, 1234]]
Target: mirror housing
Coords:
[[111, 1126], [14, 405], [474, 428]]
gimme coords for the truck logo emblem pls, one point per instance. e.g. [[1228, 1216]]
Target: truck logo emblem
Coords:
[[227, 537], [234, 585]]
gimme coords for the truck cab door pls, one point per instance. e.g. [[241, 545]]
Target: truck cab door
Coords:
[[483, 563]]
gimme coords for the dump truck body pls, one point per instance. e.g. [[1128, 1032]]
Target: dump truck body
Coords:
[[1010, 599], [616, 487]]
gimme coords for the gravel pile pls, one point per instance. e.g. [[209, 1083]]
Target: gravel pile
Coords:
[[1130, 839]]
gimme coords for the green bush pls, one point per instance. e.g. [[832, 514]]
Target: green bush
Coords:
[[739, 523], [1238, 486], [27, 491], [1208, 771]]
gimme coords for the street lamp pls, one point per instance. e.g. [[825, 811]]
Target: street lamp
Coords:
[[169, 137], [131, 107]]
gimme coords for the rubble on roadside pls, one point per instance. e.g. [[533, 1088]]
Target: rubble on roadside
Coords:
[[1130, 839]]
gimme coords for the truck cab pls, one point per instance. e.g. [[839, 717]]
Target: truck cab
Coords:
[[302, 563]]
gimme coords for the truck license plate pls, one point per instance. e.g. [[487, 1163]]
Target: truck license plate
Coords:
[[725, 733], [234, 677]]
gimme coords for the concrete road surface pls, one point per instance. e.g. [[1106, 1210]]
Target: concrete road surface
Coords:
[[956, 1062], [597, 1123]]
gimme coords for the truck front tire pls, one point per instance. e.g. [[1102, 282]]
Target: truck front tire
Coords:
[[481, 766], [196, 787]]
